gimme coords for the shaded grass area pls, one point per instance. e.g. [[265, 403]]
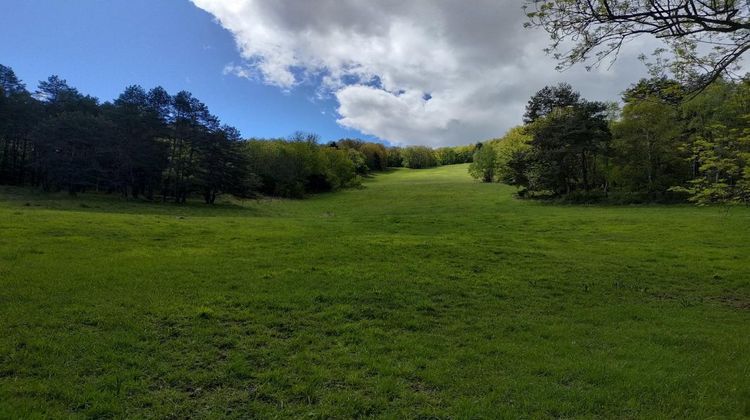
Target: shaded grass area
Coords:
[[423, 294]]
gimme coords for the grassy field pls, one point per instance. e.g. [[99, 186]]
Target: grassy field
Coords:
[[423, 294]]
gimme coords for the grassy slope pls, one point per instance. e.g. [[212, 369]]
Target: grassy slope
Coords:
[[423, 294]]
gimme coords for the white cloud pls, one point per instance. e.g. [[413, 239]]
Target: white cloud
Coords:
[[434, 72]]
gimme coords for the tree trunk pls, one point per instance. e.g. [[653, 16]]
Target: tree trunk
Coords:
[[650, 167], [22, 164], [585, 170]]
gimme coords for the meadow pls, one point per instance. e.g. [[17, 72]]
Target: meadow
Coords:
[[423, 294]]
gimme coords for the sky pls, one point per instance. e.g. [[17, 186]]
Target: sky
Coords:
[[428, 72]]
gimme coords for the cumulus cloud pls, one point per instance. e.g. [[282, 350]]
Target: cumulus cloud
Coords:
[[433, 72]]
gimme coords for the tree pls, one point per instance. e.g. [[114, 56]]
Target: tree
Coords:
[[192, 125], [70, 144], [706, 38], [548, 99], [718, 143], [565, 147], [464, 154], [455, 154], [724, 158], [358, 160], [376, 156], [647, 140], [515, 141], [340, 170], [659, 89], [418, 157], [222, 167], [300, 164], [60, 97], [446, 155], [395, 158], [138, 157], [484, 164], [67, 143], [10, 84], [19, 114], [519, 170], [143, 142]]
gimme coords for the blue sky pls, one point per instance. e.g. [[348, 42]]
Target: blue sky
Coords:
[[421, 72], [101, 46]]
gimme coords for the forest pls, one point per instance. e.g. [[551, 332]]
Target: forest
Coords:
[[666, 143], [157, 146]]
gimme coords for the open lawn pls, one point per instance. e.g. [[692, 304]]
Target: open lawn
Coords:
[[423, 294]]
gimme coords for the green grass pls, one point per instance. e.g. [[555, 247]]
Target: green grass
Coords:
[[423, 294]]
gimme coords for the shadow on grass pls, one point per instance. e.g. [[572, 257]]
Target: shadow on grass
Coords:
[[610, 200], [15, 197]]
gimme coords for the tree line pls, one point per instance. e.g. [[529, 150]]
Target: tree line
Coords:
[[143, 144], [664, 144], [152, 145]]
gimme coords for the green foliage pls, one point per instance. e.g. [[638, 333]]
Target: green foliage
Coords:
[[358, 160], [549, 99], [224, 166], [367, 157], [645, 152], [418, 157], [658, 89], [340, 171], [724, 157], [560, 148], [395, 159], [718, 144], [155, 145], [566, 145], [665, 145], [484, 163], [292, 168], [143, 144], [376, 156], [514, 142], [424, 295], [446, 156], [455, 155], [138, 159]]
